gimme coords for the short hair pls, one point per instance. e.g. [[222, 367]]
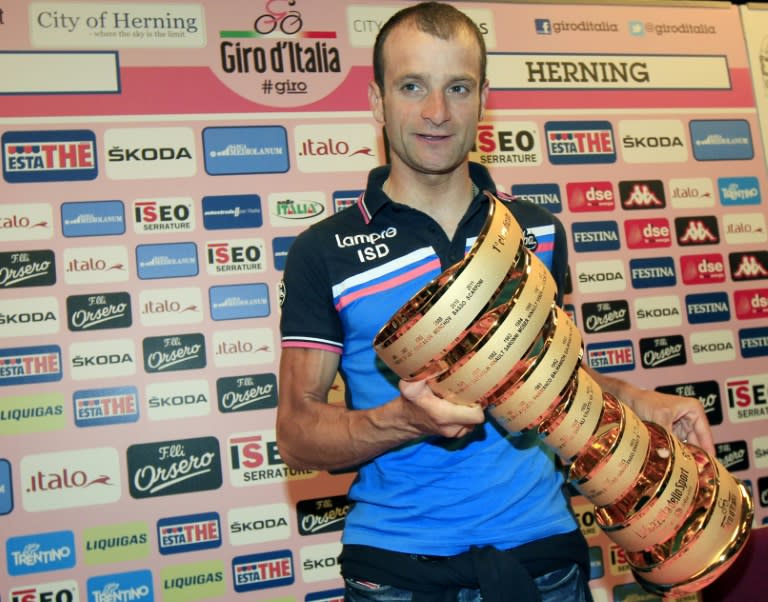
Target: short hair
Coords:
[[434, 18]]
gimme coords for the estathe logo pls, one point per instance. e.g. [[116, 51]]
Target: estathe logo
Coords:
[[26, 365], [642, 194], [322, 515], [744, 228], [691, 193], [507, 143], [289, 209], [255, 460], [544, 195], [69, 479], [571, 142], [702, 269], [658, 312], [749, 265], [714, 346], [102, 359], [171, 467], [611, 356], [341, 147], [243, 347], [179, 534], [747, 397], [660, 352], [653, 141], [170, 306], [49, 156], [163, 215], [262, 571], [98, 312], [95, 265], [649, 233], [605, 316], [92, 218], [28, 221], [20, 269], [707, 392], [590, 196], [113, 405], [179, 399], [698, 230], [258, 524], [247, 392], [171, 353], [156, 152]]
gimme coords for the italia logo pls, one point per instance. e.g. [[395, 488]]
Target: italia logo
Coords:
[[749, 265], [702, 269], [570, 142], [55, 156], [651, 233]]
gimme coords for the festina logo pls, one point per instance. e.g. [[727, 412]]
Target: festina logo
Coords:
[[642, 194], [700, 230], [749, 265]]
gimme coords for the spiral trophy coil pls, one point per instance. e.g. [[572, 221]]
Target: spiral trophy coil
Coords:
[[487, 331]]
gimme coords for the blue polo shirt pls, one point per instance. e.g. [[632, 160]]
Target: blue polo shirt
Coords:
[[344, 279]]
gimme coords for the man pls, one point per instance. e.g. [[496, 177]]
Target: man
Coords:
[[447, 505]]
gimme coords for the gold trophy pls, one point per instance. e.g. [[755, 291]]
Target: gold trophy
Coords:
[[487, 331]]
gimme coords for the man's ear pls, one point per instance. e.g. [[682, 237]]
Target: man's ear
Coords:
[[376, 101]]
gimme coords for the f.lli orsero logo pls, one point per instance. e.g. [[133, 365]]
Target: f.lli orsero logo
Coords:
[[278, 55], [49, 156]]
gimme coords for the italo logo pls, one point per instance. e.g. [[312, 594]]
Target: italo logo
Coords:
[[27, 365], [748, 265], [163, 215], [707, 392], [707, 307], [171, 353], [225, 212], [69, 479], [660, 352], [642, 194], [744, 228], [262, 571], [112, 405], [570, 142], [92, 218], [29, 221], [590, 196], [751, 304], [49, 156], [747, 397], [322, 515], [40, 552], [714, 346], [258, 524], [169, 306], [702, 269], [611, 356], [255, 460], [649, 233], [96, 265], [721, 140], [739, 191], [507, 143], [605, 316], [691, 193], [245, 150], [544, 195], [658, 312], [652, 272], [20, 269], [348, 147], [134, 585], [733, 455], [98, 312], [172, 467], [243, 347], [697, 230], [178, 534], [753, 342], [247, 392], [595, 236], [167, 260]]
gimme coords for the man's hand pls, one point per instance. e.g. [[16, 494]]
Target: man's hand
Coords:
[[433, 415]]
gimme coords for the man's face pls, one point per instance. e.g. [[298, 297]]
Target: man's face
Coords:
[[432, 99]]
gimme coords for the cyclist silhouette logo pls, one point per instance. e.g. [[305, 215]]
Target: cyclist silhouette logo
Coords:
[[288, 21]]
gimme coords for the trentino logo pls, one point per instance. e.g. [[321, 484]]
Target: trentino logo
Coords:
[[611, 356], [113, 405], [188, 533], [721, 140], [26, 365], [652, 272], [262, 571], [245, 150], [49, 156], [134, 585], [570, 142], [40, 552], [226, 212], [544, 195], [92, 218], [739, 191]]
